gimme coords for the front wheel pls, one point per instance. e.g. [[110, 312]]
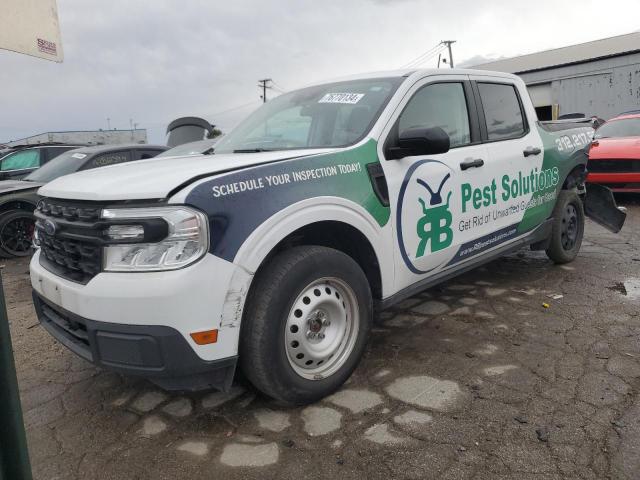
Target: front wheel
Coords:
[[568, 228], [16, 233], [306, 324]]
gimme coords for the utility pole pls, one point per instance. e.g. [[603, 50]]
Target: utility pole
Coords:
[[448, 44], [264, 84], [14, 457], [108, 123]]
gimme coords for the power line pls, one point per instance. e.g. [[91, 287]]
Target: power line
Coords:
[[233, 108], [432, 52], [423, 56], [421, 61], [278, 87]]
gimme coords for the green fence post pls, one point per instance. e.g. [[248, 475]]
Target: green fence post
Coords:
[[14, 456]]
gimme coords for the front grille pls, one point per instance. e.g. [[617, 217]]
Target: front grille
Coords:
[[73, 250], [621, 165]]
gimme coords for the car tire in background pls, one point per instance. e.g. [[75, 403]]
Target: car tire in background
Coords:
[[568, 227], [306, 324], [16, 233]]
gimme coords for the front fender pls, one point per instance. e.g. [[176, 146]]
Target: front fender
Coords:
[[277, 227]]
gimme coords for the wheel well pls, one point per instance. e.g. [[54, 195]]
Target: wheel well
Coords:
[[339, 236], [17, 205], [575, 178]]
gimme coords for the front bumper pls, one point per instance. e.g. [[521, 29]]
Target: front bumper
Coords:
[[156, 352], [161, 308]]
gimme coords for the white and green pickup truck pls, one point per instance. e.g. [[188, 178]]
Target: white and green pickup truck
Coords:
[[327, 203]]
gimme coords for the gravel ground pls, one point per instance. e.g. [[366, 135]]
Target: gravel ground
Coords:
[[475, 378]]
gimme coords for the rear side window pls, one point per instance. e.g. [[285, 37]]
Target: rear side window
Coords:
[[21, 160], [111, 158], [146, 153], [502, 111], [53, 152]]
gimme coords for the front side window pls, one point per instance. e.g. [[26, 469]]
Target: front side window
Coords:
[[21, 160], [331, 115], [502, 111], [625, 127], [441, 105]]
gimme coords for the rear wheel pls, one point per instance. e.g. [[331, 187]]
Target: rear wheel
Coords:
[[16, 233], [568, 228], [306, 324]]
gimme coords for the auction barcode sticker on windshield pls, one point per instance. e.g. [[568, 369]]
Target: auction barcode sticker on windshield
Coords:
[[349, 98]]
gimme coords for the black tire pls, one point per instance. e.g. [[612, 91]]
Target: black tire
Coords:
[[568, 227], [265, 346], [16, 233]]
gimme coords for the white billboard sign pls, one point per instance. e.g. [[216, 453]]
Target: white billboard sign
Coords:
[[31, 27]]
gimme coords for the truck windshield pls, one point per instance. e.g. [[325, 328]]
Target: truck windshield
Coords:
[[625, 127], [330, 115], [64, 164]]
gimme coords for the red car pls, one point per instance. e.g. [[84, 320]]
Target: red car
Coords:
[[614, 156]]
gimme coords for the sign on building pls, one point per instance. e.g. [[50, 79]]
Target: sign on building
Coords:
[[31, 27]]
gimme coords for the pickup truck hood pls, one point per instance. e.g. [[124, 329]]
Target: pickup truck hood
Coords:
[[612, 148], [156, 177], [11, 186]]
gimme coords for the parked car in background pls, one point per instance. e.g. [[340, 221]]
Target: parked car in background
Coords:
[[19, 163], [614, 156], [18, 198], [201, 147]]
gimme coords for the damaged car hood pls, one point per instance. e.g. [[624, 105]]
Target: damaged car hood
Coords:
[[11, 186], [156, 177]]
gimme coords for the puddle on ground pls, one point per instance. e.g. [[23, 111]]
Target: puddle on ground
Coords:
[[629, 288], [632, 286]]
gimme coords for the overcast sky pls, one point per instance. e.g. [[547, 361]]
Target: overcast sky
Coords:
[[155, 60]]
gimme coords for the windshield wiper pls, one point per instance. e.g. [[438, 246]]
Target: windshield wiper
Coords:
[[209, 151], [252, 150]]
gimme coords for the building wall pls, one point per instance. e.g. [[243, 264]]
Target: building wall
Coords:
[[98, 137], [602, 87]]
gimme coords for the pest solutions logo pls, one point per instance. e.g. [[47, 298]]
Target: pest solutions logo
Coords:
[[435, 226], [424, 216]]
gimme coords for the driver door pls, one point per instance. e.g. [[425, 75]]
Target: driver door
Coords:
[[425, 190]]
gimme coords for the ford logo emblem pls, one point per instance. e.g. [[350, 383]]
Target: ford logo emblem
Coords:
[[49, 227]]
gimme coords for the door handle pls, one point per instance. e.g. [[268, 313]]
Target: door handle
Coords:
[[471, 163], [531, 151]]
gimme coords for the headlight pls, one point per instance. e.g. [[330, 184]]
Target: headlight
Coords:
[[186, 242]]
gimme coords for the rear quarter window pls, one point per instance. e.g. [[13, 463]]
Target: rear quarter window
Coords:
[[502, 111]]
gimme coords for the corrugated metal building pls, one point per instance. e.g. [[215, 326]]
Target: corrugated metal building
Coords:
[[85, 137], [595, 78]]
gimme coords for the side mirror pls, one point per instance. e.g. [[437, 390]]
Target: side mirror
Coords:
[[421, 141]]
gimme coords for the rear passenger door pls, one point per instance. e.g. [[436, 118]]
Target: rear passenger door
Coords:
[[515, 154]]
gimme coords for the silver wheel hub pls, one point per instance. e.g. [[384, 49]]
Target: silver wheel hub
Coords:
[[322, 328]]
